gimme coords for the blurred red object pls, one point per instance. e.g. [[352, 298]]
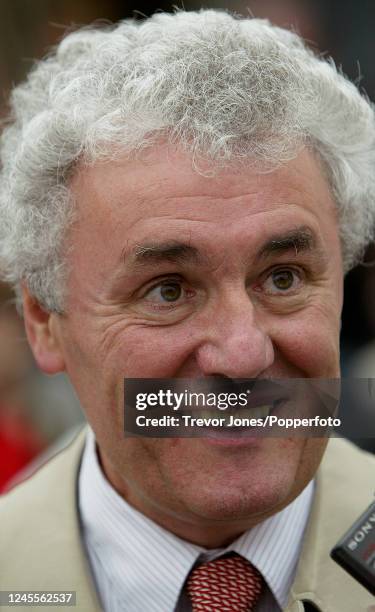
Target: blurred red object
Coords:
[[19, 444]]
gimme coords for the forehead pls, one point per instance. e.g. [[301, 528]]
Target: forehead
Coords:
[[161, 196], [162, 173]]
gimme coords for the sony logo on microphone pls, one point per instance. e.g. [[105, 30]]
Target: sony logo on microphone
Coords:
[[362, 532]]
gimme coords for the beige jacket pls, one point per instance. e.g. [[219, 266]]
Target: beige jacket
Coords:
[[41, 548]]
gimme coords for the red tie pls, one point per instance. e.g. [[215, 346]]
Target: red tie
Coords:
[[228, 584]]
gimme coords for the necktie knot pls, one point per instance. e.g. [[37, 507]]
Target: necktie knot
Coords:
[[227, 584]]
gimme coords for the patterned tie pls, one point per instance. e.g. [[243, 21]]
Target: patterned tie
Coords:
[[227, 584]]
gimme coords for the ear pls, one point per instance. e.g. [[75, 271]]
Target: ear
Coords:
[[42, 330]]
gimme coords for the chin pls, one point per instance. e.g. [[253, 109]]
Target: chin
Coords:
[[250, 503]]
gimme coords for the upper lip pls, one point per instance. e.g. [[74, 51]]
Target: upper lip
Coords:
[[266, 396], [262, 392]]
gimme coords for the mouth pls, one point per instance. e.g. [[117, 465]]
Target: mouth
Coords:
[[241, 418], [243, 414], [244, 422], [234, 410]]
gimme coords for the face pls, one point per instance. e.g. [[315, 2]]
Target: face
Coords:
[[177, 275]]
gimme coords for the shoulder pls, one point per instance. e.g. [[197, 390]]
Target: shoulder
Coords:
[[38, 493], [39, 518], [40, 537], [345, 464], [344, 488]]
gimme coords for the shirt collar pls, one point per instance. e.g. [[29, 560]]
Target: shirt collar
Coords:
[[135, 552]]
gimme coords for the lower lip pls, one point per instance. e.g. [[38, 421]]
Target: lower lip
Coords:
[[241, 438]]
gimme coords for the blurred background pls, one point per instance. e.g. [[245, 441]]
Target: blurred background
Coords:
[[37, 412]]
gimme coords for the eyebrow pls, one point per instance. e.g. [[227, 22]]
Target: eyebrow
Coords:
[[156, 253], [297, 240]]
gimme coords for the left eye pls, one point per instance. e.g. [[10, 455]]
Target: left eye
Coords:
[[165, 292], [282, 281]]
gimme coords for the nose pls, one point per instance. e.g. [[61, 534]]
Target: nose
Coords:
[[235, 344]]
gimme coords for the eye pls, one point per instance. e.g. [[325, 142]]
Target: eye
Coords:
[[166, 292], [170, 292], [282, 280]]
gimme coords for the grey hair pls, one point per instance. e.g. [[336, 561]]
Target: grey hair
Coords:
[[226, 89]]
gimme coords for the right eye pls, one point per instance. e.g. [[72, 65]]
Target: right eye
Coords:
[[165, 292]]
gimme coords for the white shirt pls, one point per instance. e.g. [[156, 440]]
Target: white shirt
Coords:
[[140, 567]]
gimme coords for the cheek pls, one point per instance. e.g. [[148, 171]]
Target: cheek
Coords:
[[310, 344], [155, 352], [92, 374]]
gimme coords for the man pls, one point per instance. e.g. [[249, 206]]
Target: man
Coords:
[[180, 199]]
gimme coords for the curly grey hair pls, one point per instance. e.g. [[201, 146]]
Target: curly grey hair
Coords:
[[225, 88]]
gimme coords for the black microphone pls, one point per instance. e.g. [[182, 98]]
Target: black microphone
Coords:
[[355, 551]]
